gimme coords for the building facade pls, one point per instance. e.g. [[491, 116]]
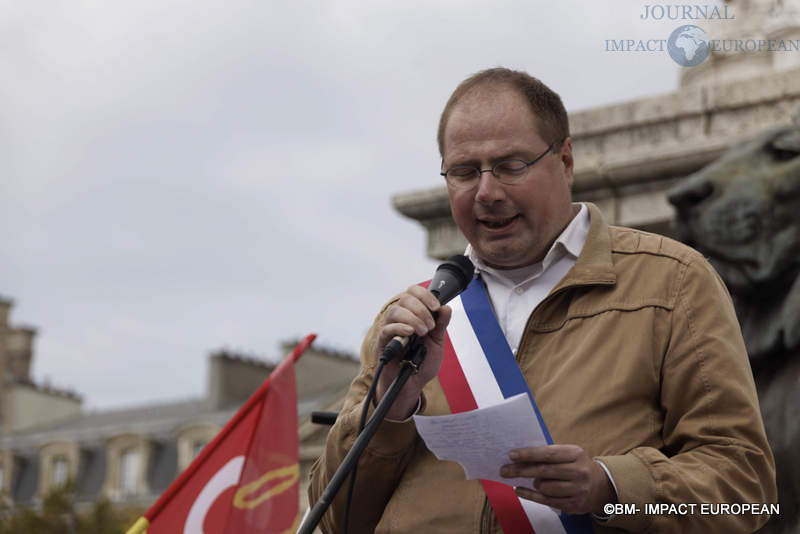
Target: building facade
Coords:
[[131, 455]]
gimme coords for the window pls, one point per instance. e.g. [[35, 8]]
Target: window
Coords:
[[59, 462], [59, 471], [129, 463], [127, 459], [192, 438]]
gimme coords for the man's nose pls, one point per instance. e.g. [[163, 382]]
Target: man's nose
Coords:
[[489, 188]]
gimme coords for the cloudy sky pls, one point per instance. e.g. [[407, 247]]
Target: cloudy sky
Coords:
[[181, 176]]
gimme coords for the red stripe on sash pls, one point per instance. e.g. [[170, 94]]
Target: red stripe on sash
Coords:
[[507, 507], [454, 383], [505, 502]]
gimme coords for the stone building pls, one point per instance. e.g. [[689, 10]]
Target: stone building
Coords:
[[22, 402], [131, 455]]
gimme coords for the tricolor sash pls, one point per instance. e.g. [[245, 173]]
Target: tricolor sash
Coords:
[[479, 370]]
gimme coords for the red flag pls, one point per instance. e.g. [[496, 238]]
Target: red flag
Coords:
[[246, 479]]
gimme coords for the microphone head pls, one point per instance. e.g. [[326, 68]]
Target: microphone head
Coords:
[[452, 277]]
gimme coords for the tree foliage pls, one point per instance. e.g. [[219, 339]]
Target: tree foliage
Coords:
[[58, 515]]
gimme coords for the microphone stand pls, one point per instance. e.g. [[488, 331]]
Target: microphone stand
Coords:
[[410, 365]]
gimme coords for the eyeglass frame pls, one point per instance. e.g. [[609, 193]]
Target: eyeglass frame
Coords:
[[492, 170]]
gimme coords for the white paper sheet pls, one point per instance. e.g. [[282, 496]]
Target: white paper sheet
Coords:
[[480, 440]]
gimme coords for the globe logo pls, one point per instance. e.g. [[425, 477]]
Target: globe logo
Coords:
[[688, 46]]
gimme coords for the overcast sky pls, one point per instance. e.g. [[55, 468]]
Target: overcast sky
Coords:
[[181, 176]]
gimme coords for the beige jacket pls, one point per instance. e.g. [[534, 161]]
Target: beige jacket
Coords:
[[636, 356]]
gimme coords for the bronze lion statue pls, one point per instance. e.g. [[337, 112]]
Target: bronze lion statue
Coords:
[[743, 212]]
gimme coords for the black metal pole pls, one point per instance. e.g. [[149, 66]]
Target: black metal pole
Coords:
[[417, 353]]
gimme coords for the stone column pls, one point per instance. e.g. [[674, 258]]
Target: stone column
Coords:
[[783, 23], [722, 66]]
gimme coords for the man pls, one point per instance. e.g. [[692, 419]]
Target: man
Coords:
[[627, 341]]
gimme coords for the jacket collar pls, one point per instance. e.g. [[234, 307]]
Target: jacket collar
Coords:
[[594, 266]]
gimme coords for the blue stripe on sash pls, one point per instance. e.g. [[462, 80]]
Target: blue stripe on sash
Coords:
[[576, 524], [495, 347], [507, 372]]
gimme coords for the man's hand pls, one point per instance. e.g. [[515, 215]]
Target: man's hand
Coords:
[[412, 314], [565, 478]]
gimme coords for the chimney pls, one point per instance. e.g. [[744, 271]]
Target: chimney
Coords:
[[322, 370], [232, 378], [19, 353], [5, 309]]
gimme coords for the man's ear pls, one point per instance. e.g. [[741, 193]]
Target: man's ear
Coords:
[[565, 156]]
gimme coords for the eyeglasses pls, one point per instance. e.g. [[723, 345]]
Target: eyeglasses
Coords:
[[508, 171]]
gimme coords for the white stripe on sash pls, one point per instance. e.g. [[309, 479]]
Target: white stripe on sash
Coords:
[[472, 359], [544, 519]]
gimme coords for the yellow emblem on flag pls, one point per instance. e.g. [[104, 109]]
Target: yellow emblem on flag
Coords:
[[292, 472]]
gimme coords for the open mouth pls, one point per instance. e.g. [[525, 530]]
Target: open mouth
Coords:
[[498, 224]]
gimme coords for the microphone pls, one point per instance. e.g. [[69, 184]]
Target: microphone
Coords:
[[450, 279]]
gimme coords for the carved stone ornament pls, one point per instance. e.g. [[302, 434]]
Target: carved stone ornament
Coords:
[[743, 212]]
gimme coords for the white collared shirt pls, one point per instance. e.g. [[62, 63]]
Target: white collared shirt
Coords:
[[515, 293]]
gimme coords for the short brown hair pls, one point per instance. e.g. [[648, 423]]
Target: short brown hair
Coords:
[[552, 123]]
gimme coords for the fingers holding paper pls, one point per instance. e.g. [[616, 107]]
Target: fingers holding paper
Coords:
[[564, 477]]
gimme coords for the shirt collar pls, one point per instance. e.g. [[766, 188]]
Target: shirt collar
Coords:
[[574, 235], [569, 241]]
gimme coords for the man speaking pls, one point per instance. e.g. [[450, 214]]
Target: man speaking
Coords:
[[627, 342]]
